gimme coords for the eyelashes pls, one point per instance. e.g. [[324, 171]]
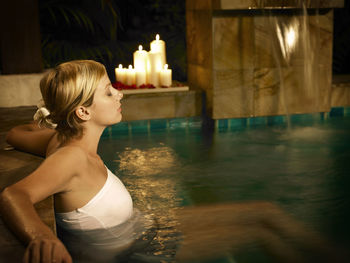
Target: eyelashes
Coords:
[[109, 93], [116, 93]]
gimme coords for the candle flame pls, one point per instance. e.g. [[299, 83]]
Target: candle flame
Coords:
[[166, 66], [130, 67], [140, 47], [157, 37], [120, 66]]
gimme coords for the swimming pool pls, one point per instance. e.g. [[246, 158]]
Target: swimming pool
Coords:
[[304, 168]]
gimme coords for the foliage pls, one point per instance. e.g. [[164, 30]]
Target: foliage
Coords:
[[78, 29], [111, 30]]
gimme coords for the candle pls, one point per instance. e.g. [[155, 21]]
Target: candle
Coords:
[[154, 65], [140, 59], [120, 74], [141, 77], [130, 76], [158, 45], [165, 76]]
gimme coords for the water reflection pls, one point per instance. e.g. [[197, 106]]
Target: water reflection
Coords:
[[146, 162], [201, 233], [308, 134], [145, 180], [303, 169], [214, 231], [150, 176]]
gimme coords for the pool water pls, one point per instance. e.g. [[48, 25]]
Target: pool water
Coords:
[[304, 168]]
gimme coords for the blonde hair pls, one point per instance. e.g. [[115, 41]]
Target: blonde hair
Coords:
[[66, 87]]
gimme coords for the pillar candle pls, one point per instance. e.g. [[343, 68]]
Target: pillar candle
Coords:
[[158, 45], [140, 59], [130, 76], [165, 76], [154, 65], [120, 74], [141, 77]]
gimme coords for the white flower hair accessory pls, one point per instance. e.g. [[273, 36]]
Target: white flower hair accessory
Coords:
[[41, 113]]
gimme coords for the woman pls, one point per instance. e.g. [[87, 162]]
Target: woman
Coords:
[[80, 103]]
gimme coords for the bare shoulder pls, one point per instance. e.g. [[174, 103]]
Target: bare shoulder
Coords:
[[71, 155], [64, 163], [54, 175]]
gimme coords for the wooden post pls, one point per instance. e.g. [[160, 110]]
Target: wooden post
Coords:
[[20, 47]]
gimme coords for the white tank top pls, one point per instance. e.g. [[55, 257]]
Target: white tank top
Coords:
[[111, 206]]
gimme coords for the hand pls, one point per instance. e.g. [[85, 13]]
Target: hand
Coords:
[[46, 250]]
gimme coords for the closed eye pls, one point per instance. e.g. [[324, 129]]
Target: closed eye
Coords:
[[108, 91]]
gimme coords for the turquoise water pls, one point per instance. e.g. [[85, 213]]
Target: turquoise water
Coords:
[[304, 168]]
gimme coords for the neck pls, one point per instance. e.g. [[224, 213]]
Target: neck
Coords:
[[90, 139]]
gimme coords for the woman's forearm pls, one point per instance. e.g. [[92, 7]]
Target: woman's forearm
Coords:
[[30, 138], [20, 216]]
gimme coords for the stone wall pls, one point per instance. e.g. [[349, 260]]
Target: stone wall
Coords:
[[232, 55], [340, 91], [20, 89], [23, 90]]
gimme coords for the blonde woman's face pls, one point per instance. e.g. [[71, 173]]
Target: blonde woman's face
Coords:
[[106, 106]]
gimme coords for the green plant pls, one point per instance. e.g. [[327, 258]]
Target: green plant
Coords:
[[81, 29]]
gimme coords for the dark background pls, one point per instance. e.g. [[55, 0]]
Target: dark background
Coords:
[[119, 27], [110, 31], [341, 40]]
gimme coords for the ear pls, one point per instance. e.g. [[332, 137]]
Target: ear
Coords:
[[83, 113]]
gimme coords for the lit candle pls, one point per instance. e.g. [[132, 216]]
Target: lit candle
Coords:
[[140, 59], [130, 76], [165, 76], [141, 77], [158, 45], [120, 74], [154, 66]]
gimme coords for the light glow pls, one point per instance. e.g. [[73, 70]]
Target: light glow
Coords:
[[290, 38], [287, 36]]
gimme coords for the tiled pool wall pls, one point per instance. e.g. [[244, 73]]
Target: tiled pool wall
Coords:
[[193, 123], [282, 120], [148, 126]]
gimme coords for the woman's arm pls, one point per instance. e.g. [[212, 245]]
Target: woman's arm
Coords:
[[19, 214], [30, 138], [17, 204]]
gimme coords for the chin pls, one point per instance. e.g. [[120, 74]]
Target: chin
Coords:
[[119, 119]]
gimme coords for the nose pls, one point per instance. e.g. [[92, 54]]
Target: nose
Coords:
[[119, 95]]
